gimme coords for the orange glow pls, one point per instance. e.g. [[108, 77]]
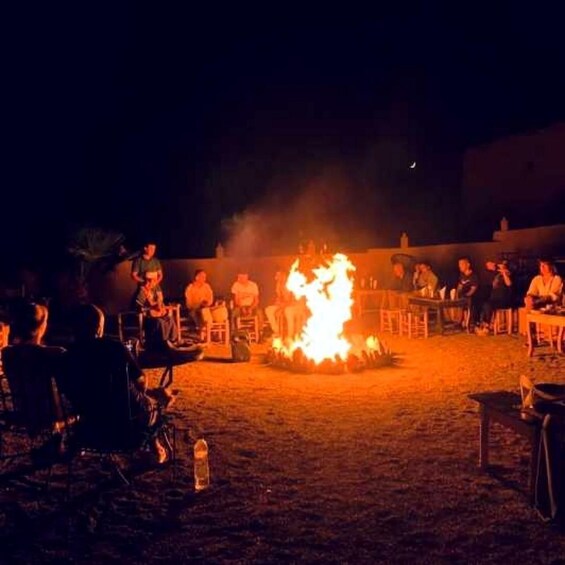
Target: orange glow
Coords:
[[329, 299]]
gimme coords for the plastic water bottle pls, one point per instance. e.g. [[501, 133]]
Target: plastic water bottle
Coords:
[[201, 469]]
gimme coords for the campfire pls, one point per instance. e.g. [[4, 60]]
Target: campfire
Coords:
[[322, 346]]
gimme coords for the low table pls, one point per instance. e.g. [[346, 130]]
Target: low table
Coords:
[[168, 360], [504, 407], [438, 305], [551, 320]]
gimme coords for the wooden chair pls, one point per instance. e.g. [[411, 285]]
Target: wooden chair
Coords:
[[218, 332], [249, 324], [391, 313], [503, 321], [414, 323], [130, 325]]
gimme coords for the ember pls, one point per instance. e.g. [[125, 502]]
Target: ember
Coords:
[[322, 345]]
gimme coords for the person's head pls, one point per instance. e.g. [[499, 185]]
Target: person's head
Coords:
[[200, 276], [464, 264], [546, 267], [243, 277], [30, 323], [149, 249], [425, 267], [398, 270], [490, 264], [88, 322]]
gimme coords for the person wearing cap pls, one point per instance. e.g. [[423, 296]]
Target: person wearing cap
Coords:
[[545, 288]]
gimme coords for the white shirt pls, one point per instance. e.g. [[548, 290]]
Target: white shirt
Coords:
[[553, 289], [245, 293]]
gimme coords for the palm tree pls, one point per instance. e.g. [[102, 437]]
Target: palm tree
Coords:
[[95, 248]]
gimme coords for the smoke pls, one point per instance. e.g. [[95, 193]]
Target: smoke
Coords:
[[331, 207]]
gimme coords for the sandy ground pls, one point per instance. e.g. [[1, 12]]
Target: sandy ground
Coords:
[[373, 467]]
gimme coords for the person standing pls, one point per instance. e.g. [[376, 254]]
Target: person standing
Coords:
[[147, 266]]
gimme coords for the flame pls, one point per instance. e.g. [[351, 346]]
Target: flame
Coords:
[[329, 299]]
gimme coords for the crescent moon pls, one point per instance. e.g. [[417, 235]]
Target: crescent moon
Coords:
[[413, 165]]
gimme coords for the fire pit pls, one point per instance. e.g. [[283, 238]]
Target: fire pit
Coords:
[[322, 346]]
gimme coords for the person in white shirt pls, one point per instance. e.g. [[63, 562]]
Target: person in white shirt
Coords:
[[245, 298], [545, 288]]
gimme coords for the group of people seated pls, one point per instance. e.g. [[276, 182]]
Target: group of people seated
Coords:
[[488, 291], [95, 379], [285, 314]]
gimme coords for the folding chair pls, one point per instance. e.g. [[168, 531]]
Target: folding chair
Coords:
[[110, 431], [32, 407]]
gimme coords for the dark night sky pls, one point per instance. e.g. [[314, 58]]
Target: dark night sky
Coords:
[[164, 122]]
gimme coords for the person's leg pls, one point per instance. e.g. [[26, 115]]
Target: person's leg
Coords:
[[260, 321], [236, 313], [486, 312], [291, 314], [271, 313]]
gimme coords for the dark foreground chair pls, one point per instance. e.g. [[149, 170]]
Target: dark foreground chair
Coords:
[[32, 414], [114, 426]]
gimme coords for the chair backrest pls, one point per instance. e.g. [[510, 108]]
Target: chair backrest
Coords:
[[33, 393], [111, 409], [130, 325]]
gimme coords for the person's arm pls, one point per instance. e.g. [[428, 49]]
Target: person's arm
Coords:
[[141, 299], [209, 299], [506, 276], [187, 292], [433, 282], [556, 289], [159, 270], [473, 287], [255, 297], [135, 271]]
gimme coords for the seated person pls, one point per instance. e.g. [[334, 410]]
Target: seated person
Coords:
[[31, 370], [467, 287], [107, 388], [199, 299], [286, 304], [424, 277], [245, 298], [401, 280], [159, 325], [545, 288], [497, 292]]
